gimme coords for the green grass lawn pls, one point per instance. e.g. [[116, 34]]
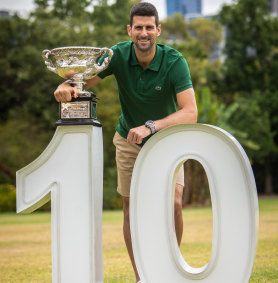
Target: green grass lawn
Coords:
[[25, 245]]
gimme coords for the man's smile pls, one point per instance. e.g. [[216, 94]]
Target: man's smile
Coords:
[[144, 43], [143, 40]]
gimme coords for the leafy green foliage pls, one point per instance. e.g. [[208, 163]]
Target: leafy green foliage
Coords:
[[28, 110], [196, 40], [7, 198], [22, 139], [251, 45], [250, 73], [213, 112], [239, 95]]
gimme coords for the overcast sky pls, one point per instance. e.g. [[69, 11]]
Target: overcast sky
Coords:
[[25, 6]]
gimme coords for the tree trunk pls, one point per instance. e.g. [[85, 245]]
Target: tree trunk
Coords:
[[268, 187], [196, 184], [7, 171]]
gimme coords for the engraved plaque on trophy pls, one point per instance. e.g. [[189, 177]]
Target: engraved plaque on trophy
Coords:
[[79, 63]]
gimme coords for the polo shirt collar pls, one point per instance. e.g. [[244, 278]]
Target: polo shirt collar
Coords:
[[156, 62]]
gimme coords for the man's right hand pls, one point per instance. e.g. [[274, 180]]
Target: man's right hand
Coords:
[[65, 92]]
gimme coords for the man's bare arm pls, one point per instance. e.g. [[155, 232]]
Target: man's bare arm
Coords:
[[65, 92], [187, 113], [92, 82]]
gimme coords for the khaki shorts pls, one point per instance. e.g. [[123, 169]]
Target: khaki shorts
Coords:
[[126, 154]]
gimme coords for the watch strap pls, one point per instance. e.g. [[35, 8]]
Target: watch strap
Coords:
[[150, 124]]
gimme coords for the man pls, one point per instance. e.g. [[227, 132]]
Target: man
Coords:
[[152, 80]]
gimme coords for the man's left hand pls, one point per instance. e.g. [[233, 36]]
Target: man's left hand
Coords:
[[136, 135]]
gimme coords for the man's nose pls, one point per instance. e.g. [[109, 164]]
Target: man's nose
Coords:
[[144, 32]]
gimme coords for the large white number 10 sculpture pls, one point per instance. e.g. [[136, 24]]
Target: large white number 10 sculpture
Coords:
[[70, 171]]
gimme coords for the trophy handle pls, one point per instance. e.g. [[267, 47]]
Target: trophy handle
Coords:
[[48, 62], [106, 61]]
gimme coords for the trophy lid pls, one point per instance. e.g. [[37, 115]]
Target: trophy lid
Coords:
[[77, 50]]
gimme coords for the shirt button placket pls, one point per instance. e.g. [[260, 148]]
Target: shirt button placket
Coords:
[[141, 83]]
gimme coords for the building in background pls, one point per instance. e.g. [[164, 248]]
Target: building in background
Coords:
[[273, 6], [4, 14], [185, 7]]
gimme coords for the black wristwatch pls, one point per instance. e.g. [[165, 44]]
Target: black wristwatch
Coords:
[[150, 124]]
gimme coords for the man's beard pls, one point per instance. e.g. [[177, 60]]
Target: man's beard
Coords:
[[144, 48]]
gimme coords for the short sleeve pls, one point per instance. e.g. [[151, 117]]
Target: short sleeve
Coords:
[[180, 75], [109, 70]]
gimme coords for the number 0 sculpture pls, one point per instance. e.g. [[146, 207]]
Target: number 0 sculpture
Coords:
[[234, 206]]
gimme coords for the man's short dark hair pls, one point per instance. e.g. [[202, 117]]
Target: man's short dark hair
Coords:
[[143, 9]]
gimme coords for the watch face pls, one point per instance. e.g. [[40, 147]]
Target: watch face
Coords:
[[150, 124]]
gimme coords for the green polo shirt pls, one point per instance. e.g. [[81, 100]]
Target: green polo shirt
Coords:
[[146, 94]]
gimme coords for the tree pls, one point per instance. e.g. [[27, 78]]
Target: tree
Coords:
[[203, 34], [196, 40], [250, 71], [64, 9], [207, 32], [28, 110]]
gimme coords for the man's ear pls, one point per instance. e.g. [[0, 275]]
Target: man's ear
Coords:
[[128, 27], [159, 30]]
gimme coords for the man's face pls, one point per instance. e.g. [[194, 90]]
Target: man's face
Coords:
[[143, 32]]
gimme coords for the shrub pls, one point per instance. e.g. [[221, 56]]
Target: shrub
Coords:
[[7, 198]]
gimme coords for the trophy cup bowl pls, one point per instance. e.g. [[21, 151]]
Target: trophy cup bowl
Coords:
[[78, 63]]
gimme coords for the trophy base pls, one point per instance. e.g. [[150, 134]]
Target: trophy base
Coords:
[[79, 111], [77, 122]]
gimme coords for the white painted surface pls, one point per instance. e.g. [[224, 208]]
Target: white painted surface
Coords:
[[70, 172], [234, 204]]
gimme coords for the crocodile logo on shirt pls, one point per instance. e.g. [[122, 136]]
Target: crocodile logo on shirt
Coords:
[[158, 87]]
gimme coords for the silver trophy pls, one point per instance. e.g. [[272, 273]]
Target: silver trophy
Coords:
[[78, 63]]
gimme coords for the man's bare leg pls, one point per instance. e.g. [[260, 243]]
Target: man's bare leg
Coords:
[[178, 212], [126, 225], [127, 235]]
